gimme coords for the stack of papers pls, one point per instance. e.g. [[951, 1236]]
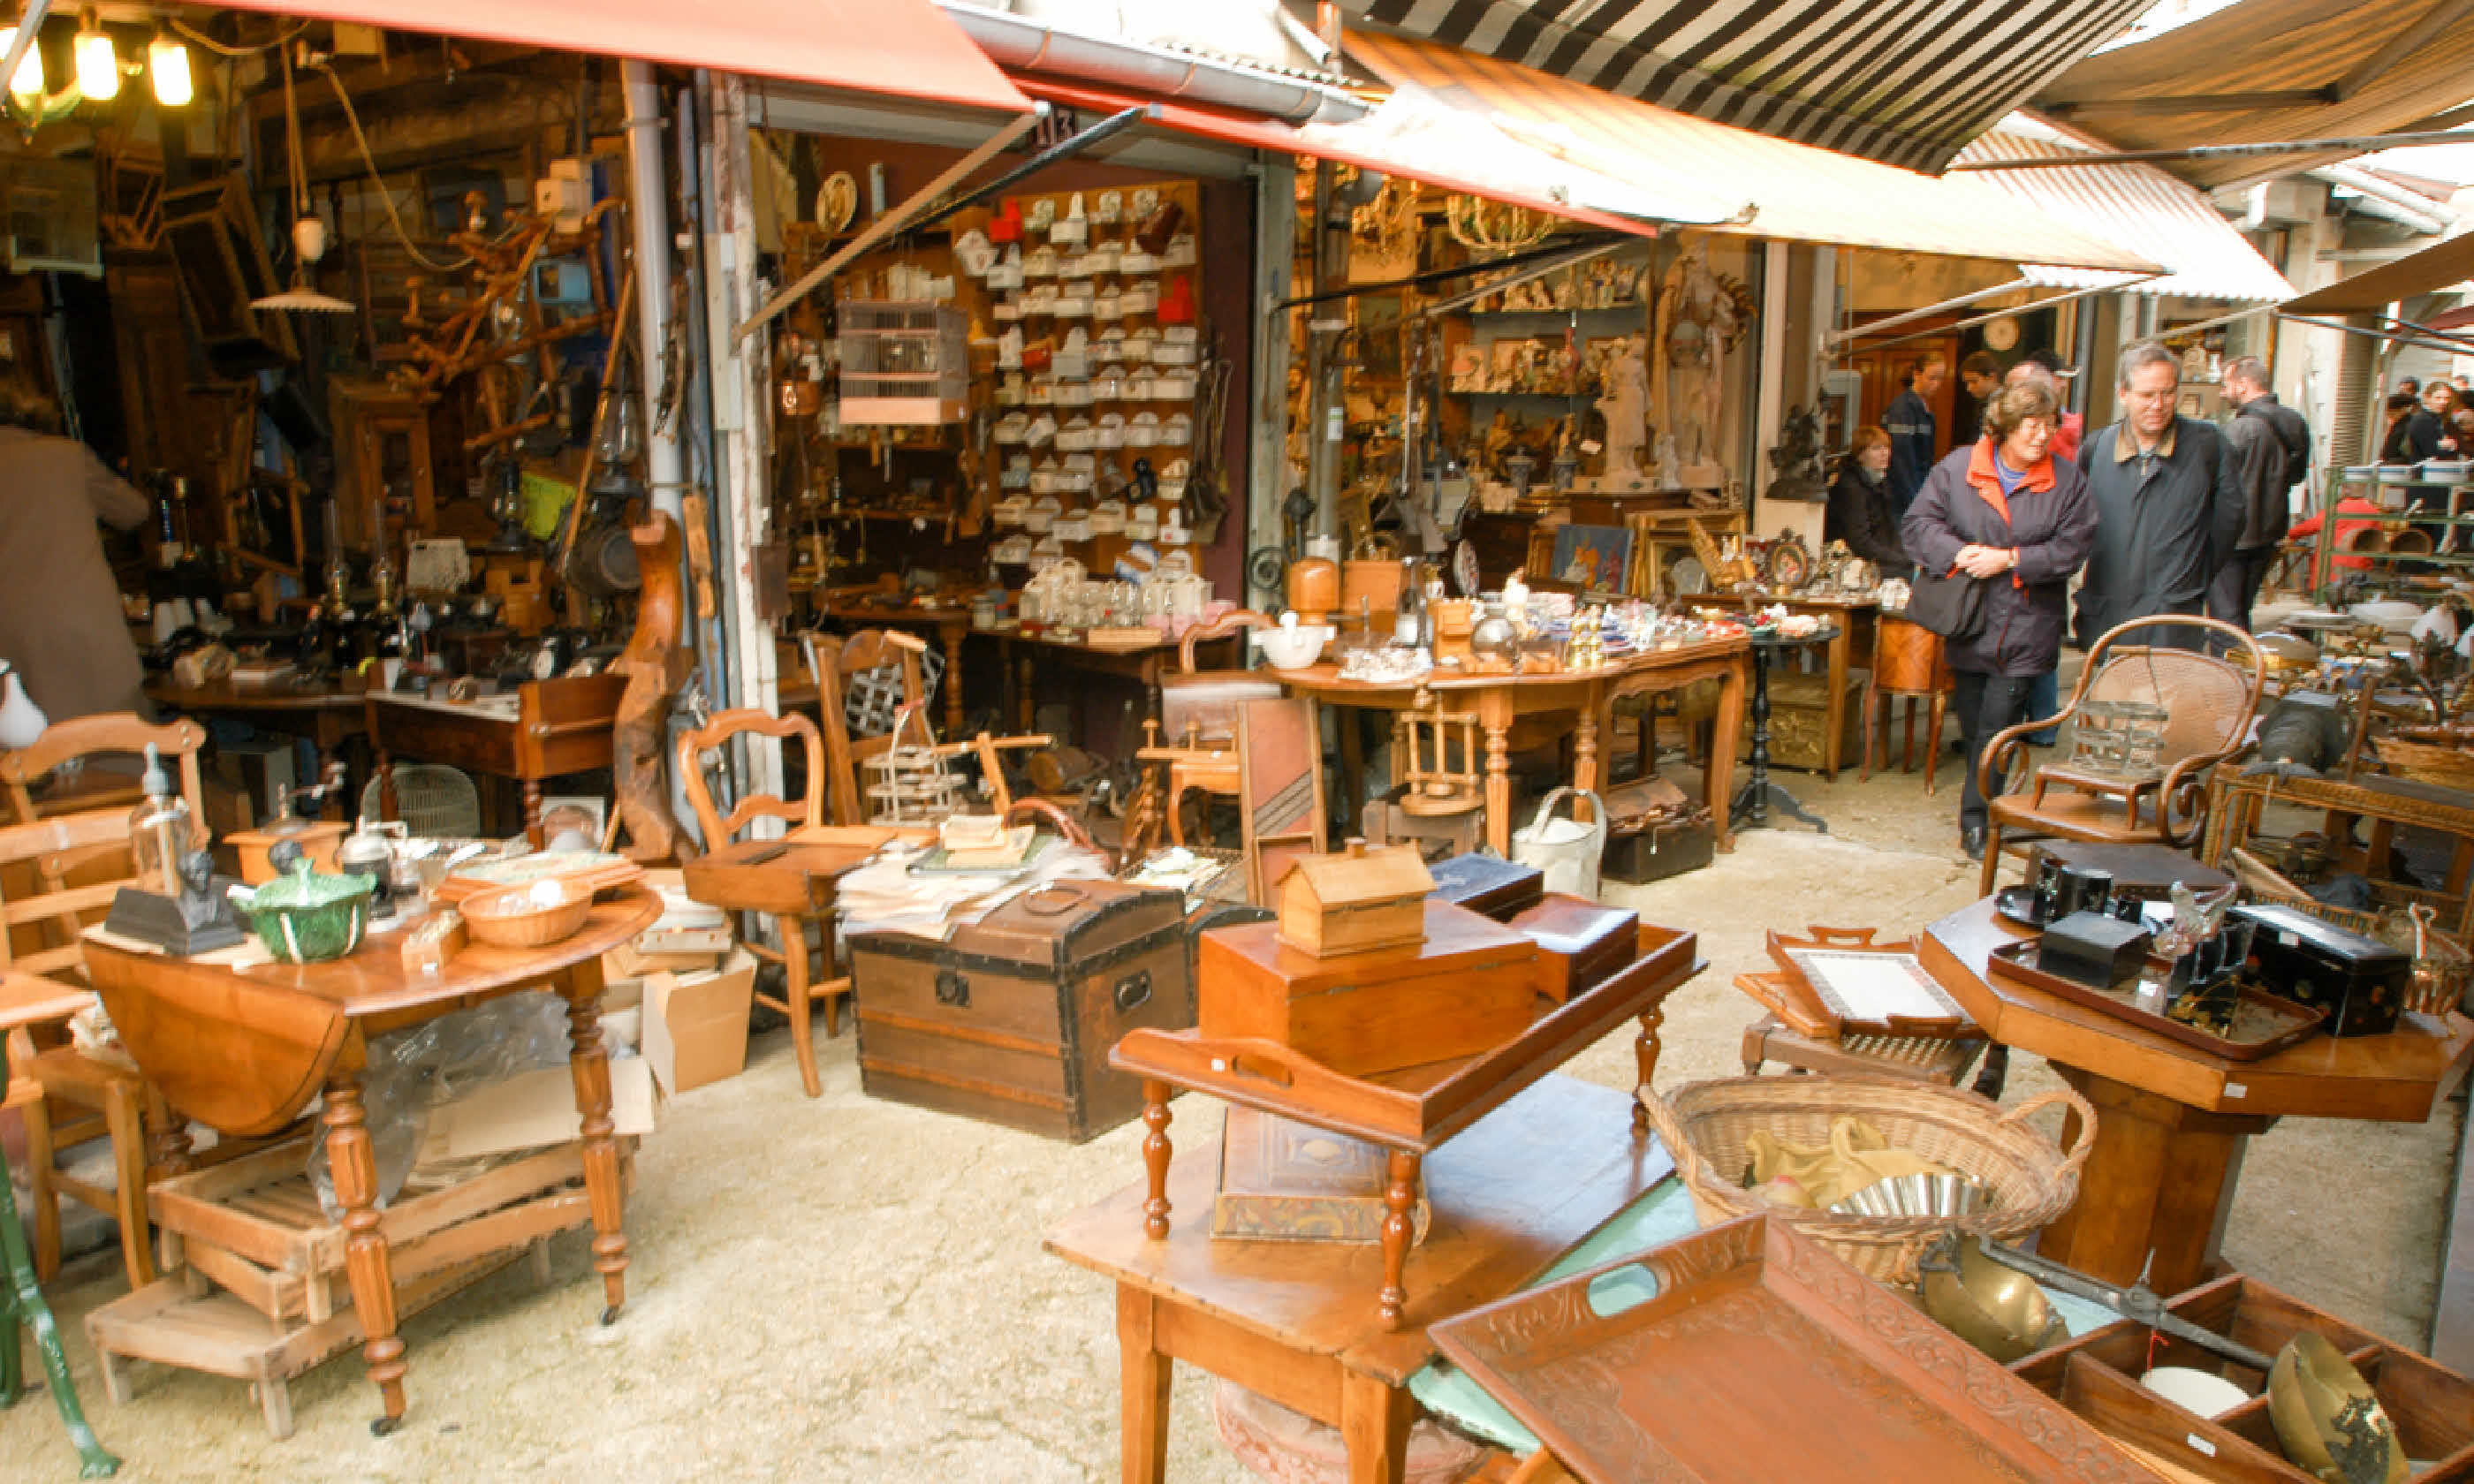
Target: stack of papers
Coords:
[[887, 896]]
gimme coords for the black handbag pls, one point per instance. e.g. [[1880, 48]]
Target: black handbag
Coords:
[[1951, 606]]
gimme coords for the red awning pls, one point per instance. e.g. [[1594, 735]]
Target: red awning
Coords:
[[1364, 151], [904, 47]]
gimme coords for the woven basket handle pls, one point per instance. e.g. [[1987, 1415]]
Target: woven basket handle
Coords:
[[2076, 1155]]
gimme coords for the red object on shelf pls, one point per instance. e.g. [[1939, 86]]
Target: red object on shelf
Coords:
[[1176, 305], [1007, 225]]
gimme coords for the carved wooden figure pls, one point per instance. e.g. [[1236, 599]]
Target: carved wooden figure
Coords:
[[655, 667]]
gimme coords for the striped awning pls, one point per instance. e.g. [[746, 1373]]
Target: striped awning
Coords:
[[2141, 207], [2273, 71], [1908, 83], [1795, 193]]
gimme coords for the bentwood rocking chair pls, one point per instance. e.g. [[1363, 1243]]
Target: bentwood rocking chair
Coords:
[[801, 992], [2208, 704]]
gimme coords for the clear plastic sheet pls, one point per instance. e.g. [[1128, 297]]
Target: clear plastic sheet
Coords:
[[412, 1070]]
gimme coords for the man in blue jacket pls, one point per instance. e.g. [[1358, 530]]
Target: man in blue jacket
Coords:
[[1913, 434]]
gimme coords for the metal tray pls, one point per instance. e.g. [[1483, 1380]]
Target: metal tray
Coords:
[[2017, 961]]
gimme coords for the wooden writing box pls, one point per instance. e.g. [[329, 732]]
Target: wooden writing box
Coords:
[[1470, 987], [1581, 943], [1355, 902], [1489, 884]]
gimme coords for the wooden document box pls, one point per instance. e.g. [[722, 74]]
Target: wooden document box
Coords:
[[1581, 943], [1010, 1020], [1471, 986]]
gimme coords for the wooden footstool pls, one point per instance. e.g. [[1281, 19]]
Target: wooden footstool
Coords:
[[1916, 1058]]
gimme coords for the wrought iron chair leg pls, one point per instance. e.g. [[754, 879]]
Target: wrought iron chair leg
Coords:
[[21, 1302]]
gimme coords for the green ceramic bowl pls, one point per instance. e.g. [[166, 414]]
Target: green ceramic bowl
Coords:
[[307, 917]]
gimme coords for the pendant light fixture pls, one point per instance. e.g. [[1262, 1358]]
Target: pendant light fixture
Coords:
[[98, 64], [167, 68], [308, 228], [26, 83]]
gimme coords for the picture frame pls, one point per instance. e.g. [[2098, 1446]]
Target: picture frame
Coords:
[[1591, 557]]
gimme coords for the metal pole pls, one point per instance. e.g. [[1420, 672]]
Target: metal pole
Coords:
[[648, 215], [1976, 320], [1830, 342], [1324, 415]]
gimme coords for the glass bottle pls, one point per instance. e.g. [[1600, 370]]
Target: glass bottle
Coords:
[[159, 830], [1409, 623]]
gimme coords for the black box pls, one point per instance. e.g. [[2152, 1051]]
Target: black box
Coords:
[[1657, 851], [2092, 948], [1487, 885], [2359, 981]]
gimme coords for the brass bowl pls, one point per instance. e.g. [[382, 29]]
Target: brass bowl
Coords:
[[2285, 653], [2328, 1420], [1999, 1310]]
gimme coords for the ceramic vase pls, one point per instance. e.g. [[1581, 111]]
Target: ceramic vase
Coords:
[[21, 720]]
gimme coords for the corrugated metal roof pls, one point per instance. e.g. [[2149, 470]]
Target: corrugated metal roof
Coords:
[[2141, 209], [1798, 193], [1905, 84], [2265, 71]]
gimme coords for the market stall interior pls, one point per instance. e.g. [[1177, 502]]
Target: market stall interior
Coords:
[[1217, 635]]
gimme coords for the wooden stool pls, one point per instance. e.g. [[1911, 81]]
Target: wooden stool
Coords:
[[1907, 662], [1928, 1059]]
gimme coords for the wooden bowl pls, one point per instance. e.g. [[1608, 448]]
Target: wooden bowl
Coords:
[[531, 916]]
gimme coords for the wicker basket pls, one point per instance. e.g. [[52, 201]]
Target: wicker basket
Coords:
[[2424, 754], [1706, 1127]]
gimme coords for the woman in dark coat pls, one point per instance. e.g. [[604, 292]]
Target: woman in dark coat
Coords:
[[2006, 511], [1862, 512]]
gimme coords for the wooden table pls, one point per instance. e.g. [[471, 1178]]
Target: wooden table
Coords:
[[330, 716], [244, 1050], [1503, 699], [1289, 1319], [2173, 1121], [948, 625], [1759, 793], [1855, 622], [1410, 1113], [554, 727], [1143, 665], [2236, 801]]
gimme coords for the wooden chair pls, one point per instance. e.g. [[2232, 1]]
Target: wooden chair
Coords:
[[2210, 702], [84, 737], [57, 876], [833, 660], [1199, 715], [801, 992]]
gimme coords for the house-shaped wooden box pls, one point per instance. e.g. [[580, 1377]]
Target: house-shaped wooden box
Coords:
[[1354, 902]]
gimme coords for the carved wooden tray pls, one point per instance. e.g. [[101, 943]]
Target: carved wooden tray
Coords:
[[1746, 1352], [1816, 1003]]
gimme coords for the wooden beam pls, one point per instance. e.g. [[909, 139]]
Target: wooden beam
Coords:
[[2405, 43]]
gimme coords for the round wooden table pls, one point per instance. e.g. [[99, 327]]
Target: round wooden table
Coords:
[[2172, 1120], [244, 1050]]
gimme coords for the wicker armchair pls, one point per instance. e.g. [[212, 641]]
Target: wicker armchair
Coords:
[[2210, 702]]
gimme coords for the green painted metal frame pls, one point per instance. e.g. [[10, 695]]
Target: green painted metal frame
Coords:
[[21, 1302]]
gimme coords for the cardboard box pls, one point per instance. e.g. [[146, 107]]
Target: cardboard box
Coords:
[[628, 962], [695, 1025], [535, 1109]]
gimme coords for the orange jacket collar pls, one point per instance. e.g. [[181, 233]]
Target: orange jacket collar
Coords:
[[1988, 485]]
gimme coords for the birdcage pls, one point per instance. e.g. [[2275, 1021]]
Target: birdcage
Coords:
[[911, 785], [904, 362]]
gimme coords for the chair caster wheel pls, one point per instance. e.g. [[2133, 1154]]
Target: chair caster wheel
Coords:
[[610, 1316], [382, 1426]]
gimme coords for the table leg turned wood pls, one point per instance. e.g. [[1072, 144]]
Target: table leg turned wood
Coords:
[[1644, 1056], [1494, 714], [2157, 1186], [949, 637], [1144, 1373], [1399, 1198], [1834, 708], [1718, 777], [590, 1061], [366, 1261], [1156, 1153], [1585, 751], [1374, 1417], [533, 813]]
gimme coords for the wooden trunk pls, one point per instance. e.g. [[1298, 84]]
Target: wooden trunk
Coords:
[[1011, 1020], [1470, 987]]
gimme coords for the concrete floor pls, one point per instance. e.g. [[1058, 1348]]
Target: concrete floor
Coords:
[[850, 1290]]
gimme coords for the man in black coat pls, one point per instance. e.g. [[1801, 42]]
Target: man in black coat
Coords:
[[2170, 509], [1914, 433], [2272, 450]]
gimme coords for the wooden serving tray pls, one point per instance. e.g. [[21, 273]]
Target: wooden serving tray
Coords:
[[1816, 1013], [1746, 1352], [2295, 1022]]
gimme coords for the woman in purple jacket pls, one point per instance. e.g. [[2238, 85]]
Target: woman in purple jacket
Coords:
[[2006, 511]]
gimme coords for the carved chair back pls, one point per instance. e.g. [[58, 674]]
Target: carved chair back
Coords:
[[719, 830], [835, 661], [105, 735], [1198, 708]]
